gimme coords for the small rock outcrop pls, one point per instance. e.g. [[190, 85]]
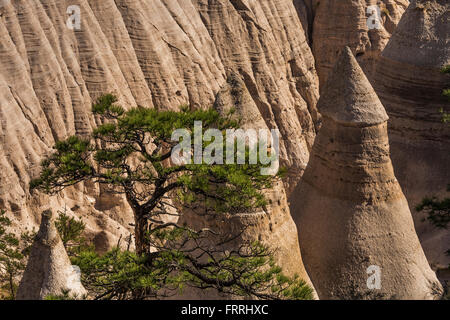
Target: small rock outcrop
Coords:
[[409, 82], [351, 214], [49, 271]]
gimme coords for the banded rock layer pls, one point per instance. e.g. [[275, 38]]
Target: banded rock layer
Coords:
[[273, 226], [337, 24], [159, 53], [49, 271], [409, 83]]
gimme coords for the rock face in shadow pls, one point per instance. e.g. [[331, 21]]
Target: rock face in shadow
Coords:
[[350, 211], [49, 271], [345, 23], [159, 53], [409, 83]]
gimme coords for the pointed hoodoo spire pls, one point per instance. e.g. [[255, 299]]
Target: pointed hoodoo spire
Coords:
[[354, 223], [348, 96], [49, 271]]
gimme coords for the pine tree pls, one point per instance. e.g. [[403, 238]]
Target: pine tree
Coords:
[[130, 155], [439, 210]]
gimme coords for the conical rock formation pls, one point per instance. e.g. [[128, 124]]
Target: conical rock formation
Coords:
[[158, 53], [49, 271], [273, 227], [351, 214], [409, 83]]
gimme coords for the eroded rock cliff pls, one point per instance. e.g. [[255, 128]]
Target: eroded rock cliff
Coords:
[[337, 24], [163, 53], [159, 53]]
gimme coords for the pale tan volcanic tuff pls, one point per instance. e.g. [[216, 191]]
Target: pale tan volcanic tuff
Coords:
[[273, 226], [158, 53], [347, 23], [49, 271], [409, 83], [350, 210]]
